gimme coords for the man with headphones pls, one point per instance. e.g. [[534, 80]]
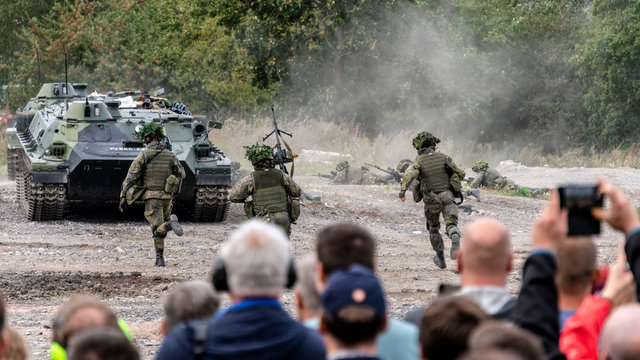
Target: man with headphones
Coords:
[[254, 265]]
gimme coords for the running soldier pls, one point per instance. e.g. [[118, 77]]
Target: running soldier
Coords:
[[438, 178], [275, 196], [156, 176]]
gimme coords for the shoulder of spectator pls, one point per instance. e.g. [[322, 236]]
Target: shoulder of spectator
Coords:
[[176, 345], [633, 232], [546, 252], [402, 328]]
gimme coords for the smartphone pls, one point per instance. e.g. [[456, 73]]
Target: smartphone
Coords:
[[579, 200]]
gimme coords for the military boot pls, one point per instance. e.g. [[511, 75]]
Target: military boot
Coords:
[[438, 259], [455, 245], [160, 257], [174, 225]]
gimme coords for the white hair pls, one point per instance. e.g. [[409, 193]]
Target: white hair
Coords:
[[256, 259]]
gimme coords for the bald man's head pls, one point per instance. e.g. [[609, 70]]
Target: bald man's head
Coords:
[[485, 255], [621, 334]]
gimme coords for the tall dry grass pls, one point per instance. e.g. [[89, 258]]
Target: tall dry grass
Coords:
[[388, 149]]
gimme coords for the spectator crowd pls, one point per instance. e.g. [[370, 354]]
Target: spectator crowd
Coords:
[[567, 307]]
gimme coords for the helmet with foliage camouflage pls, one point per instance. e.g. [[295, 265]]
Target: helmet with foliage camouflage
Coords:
[[425, 139], [342, 165], [480, 166], [403, 165], [151, 130], [255, 153]]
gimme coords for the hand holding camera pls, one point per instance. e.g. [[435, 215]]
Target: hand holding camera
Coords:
[[621, 216]]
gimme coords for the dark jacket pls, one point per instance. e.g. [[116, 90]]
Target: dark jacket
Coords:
[[258, 331], [537, 306], [632, 249]]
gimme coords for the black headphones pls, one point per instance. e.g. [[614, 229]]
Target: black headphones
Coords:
[[221, 283]]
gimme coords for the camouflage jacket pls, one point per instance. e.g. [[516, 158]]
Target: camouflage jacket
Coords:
[[489, 178], [243, 189], [136, 170], [413, 172]]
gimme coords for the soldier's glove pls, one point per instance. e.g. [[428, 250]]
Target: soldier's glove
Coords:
[[123, 203]]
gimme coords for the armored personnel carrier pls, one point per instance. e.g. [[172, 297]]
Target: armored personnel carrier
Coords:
[[51, 94], [81, 154]]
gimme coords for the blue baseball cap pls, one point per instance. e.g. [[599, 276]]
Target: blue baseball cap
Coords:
[[357, 287]]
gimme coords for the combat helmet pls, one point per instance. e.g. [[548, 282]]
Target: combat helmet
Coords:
[[425, 139], [403, 165], [342, 165], [256, 153], [480, 166], [151, 130]]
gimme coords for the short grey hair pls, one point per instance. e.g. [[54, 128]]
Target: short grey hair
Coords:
[[188, 301], [306, 284], [256, 259]]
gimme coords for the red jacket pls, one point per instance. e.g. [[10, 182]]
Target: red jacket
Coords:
[[579, 338]]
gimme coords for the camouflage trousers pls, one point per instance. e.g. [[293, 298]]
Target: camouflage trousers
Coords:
[[280, 218], [157, 213], [434, 204]]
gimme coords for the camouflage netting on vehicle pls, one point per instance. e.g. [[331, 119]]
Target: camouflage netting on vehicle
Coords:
[[425, 139], [151, 129], [255, 153], [480, 166]]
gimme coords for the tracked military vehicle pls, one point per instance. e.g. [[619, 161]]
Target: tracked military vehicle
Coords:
[[51, 94], [81, 154]]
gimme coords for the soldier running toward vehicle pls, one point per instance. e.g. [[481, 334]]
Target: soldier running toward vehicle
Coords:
[[438, 178], [275, 196], [156, 176]]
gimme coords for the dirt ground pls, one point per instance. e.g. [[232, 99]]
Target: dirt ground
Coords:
[[110, 256]]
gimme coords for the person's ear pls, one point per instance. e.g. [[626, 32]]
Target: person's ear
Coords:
[[385, 324], [164, 331], [595, 276], [4, 339], [322, 328], [510, 263], [321, 277], [459, 262], [299, 301]]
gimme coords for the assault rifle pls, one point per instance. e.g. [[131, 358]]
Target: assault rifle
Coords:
[[327, 176], [397, 177], [281, 155]]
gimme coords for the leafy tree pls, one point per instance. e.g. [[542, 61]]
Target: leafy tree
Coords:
[[608, 60]]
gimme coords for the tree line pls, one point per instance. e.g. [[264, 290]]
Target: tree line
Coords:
[[556, 73]]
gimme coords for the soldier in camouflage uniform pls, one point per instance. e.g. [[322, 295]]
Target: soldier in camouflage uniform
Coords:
[[490, 178], [346, 174], [237, 172], [439, 177], [158, 174], [273, 192]]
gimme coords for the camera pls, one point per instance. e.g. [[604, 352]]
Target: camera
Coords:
[[579, 200]]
